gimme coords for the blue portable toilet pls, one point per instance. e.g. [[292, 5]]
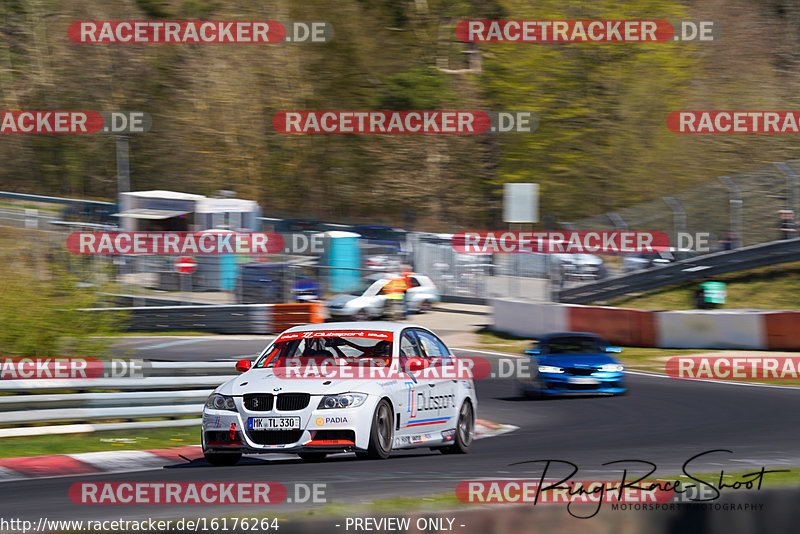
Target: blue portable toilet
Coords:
[[342, 250]]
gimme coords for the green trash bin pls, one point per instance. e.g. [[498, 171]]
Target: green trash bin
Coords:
[[714, 293]]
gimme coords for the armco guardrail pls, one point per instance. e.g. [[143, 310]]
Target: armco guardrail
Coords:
[[170, 395], [682, 329], [221, 319], [684, 271]]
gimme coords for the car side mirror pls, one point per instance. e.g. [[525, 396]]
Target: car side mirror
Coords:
[[416, 364], [243, 365], [615, 350], [533, 352]]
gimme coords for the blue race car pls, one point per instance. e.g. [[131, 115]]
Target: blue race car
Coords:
[[573, 363]]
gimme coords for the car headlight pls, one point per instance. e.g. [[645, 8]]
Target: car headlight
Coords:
[[345, 400], [550, 369], [220, 402], [611, 368]]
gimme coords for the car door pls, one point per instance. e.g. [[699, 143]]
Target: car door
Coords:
[[415, 416], [376, 298], [441, 402], [414, 292]]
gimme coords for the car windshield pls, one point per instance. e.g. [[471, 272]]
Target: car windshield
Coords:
[[573, 345], [341, 348], [363, 285]]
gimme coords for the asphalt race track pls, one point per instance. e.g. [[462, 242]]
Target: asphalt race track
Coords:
[[661, 420]]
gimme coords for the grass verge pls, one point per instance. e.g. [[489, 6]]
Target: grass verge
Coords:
[[500, 341], [124, 440], [769, 288]]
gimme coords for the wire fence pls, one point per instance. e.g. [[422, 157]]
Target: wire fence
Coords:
[[152, 280], [738, 210], [743, 209], [462, 276]]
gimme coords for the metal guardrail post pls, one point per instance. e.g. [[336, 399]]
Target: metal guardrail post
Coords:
[[678, 215], [792, 186], [617, 220], [736, 205], [123, 166]]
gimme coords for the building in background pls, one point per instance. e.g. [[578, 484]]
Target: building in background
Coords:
[[152, 211], [171, 211]]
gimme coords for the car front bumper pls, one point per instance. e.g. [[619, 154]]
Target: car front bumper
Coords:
[[565, 384], [320, 431]]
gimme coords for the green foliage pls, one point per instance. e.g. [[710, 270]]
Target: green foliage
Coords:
[[397, 11], [420, 88], [199, 9], [156, 9], [602, 107], [602, 142], [40, 309]]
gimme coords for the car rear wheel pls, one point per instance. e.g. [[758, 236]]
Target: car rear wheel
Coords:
[[381, 434], [425, 306], [361, 315], [465, 430], [312, 457]]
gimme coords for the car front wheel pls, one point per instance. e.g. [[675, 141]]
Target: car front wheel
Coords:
[[381, 434]]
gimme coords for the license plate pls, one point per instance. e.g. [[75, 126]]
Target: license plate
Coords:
[[273, 423], [582, 380]]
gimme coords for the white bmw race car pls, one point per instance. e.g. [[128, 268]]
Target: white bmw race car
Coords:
[[363, 387]]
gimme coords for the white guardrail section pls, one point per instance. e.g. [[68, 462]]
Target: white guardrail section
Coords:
[[171, 394]]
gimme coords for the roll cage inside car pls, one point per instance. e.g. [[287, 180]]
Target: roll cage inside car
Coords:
[[414, 342]]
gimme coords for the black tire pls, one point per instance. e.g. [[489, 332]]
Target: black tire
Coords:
[[222, 458], [361, 315], [312, 457], [521, 391], [465, 430], [532, 392], [425, 306], [381, 434]]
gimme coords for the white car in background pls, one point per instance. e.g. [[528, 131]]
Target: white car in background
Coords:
[[369, 300], [273, 408], [579, 267]]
